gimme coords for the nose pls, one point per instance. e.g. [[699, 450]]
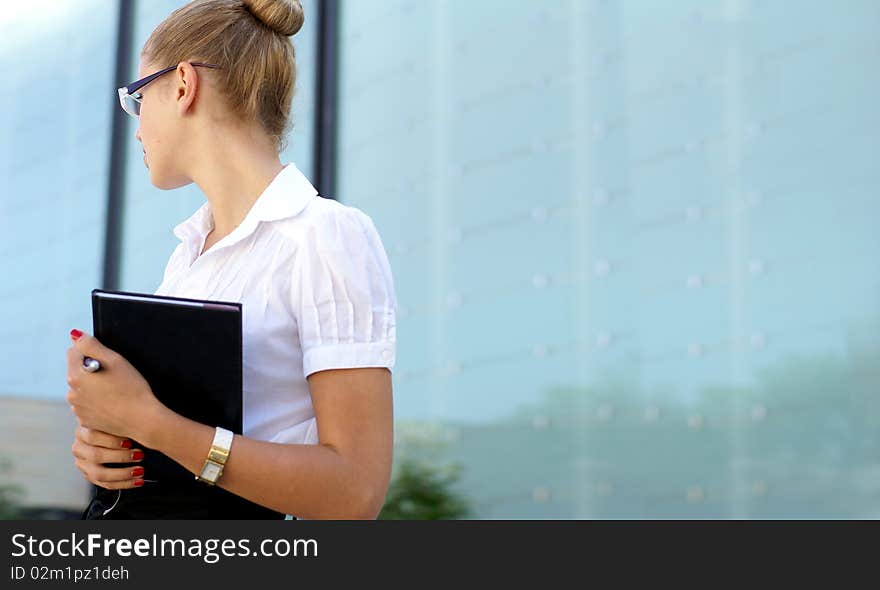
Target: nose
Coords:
[[138, 135]]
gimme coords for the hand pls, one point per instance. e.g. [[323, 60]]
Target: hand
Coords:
[[92, 447], [116, 399]]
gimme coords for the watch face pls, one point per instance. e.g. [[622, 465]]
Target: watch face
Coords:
[[210, 471]]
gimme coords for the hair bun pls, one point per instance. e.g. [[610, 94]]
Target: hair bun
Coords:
[[282, 16]]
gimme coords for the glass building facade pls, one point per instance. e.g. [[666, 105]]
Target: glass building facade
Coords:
[[633, 242], [54, 147], [635, 247]]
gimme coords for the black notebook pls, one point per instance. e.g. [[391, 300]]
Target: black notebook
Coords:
[[188, 350]]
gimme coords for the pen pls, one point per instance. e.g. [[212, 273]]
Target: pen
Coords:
[[91, 365]]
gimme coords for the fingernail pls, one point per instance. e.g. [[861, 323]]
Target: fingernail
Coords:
[[137, 471], [137, 455], [138, 483], [126, 444], [75, 334]]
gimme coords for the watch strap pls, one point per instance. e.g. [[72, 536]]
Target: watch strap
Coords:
[[217, 455]]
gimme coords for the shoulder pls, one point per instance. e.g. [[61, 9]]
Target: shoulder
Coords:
[[327, 223], [336, 252]]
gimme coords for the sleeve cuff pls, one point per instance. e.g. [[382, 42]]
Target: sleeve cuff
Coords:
[[349, 355]]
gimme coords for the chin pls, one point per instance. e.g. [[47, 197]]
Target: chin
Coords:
[[167, 183]]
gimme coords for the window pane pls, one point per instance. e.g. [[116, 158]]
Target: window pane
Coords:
[[634, 245], [54, 153]]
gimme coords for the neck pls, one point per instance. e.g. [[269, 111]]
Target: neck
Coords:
[[232, 174]]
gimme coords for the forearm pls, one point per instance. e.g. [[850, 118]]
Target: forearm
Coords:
[[309, 481]]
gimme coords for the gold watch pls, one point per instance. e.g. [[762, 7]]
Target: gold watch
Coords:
[[213, 467]]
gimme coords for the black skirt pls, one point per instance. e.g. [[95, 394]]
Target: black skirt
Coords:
[[177, 501]]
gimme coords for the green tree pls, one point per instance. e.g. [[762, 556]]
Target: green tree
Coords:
[[421, 491], [422, 485]]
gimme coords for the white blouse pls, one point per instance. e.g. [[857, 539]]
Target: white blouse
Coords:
[[316, 291]]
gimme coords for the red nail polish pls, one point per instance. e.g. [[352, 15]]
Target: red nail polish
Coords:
[[126, 444], [137, 455], [138, 483], [137, 471], [75, 334]]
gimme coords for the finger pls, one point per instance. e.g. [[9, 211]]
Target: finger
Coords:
[[99, 438], [119, 485], [115, 474], [110, 478], [98, 455], [88, 345], [72, 356], [82, 468]]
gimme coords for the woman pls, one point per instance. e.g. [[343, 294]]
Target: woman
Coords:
[[317, 293]]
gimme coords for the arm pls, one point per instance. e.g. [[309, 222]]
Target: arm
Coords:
[[345, 476]]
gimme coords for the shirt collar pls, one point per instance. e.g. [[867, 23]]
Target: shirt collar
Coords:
[[288, 194]]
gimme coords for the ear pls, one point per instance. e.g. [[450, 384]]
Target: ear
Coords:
[[187, 81]]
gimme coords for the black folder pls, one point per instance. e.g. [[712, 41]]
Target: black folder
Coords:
[[188, 350]]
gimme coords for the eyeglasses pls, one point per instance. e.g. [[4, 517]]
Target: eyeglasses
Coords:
[[130, 99]]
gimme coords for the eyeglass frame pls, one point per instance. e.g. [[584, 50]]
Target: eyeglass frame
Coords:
[[130, 90]]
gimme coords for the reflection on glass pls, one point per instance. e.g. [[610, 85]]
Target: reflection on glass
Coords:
[[634, 248], [53, 187]]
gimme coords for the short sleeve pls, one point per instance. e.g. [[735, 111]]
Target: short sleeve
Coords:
[[342, 294]]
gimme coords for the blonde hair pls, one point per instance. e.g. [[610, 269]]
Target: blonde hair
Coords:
[[249, 40]]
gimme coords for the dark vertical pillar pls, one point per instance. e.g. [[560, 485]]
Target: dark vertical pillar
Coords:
[[326, 98], [116, 178]]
